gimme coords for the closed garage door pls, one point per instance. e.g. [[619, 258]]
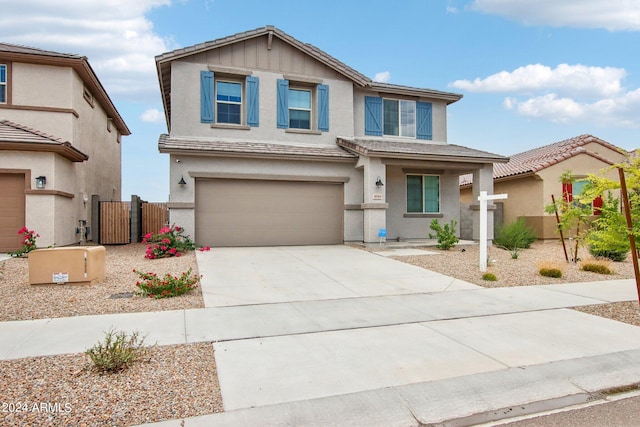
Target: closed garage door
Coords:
[[240, 212], [11, 210]]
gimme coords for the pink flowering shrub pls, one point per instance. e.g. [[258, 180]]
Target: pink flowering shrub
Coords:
[[165, 287], [28, 242], [167, 242]]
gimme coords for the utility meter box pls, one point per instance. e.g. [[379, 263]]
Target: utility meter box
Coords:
[[72, 264]]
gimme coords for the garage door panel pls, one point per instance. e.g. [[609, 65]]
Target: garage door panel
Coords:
[[262, 213], [12, 211]]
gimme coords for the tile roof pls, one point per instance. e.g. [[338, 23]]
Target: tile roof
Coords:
[[418, 150], [14, 136], [166, 144], [14, 48], [534, 160]]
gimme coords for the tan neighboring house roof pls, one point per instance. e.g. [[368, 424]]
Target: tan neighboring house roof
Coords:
[[532, 161], [213, 147], [163, 65], [21, 138], [81, 66], [418, 150]]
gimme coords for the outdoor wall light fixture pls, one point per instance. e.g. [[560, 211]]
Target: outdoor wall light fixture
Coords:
[[379, 182], [41, 181], [182, 182]]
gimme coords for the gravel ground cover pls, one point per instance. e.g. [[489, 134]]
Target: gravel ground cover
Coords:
[[462, 262], [22, 301], [174, 382]]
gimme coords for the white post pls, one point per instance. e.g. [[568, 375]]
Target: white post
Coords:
[[483, 231], [483, 198]]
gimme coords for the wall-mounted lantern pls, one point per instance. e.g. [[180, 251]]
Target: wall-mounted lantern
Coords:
[[41, 181], [379, 182], [182, 182]]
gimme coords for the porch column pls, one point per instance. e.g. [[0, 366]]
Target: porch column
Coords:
[[482, 181], [374, 207]]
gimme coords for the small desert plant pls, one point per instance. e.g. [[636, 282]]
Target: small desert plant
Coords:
[[490, 277], [168, 286], [167, 242], [597, 266], [446, 235], [515, 236], [117, 351], [550, 269]]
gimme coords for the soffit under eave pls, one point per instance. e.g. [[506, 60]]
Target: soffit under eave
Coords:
[[265, 156]]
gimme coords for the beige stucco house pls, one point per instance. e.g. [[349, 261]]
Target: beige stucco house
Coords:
[[274, 142], [530, 178], [60, 144]]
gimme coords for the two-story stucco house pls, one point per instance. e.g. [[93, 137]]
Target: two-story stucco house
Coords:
[[60, 144], [274, 142]]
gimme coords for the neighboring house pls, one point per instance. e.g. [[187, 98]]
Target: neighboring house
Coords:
[[531, 177], [59, 145], [274, 142]]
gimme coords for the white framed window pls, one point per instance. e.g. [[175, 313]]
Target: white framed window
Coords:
[[300, 116], [3, 83], [228, 104], [423, 193], [399, 117]]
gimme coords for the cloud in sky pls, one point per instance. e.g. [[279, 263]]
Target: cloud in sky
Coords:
[[613, 15], [382, 77], [115, 35], [567, 79], [152, 116], [565, 94]]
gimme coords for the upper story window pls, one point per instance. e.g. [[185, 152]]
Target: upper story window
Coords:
[[3, 84], [397, 117], [302, 105], [299, 109], [229, 100]]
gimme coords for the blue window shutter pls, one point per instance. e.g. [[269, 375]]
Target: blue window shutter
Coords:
[[372, 116], [253, 104], [283, 104], [424, 129], [206, 96], [323, 108]]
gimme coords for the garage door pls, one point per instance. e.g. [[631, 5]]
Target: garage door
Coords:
[[11, 210], [240, 212]]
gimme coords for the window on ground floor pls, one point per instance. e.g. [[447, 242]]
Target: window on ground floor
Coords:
[[423, 193]]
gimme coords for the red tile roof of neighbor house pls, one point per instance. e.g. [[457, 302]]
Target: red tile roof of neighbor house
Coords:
[[532, 161], [14, 136]]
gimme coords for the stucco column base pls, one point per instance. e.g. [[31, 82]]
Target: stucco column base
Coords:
[[375, 218]]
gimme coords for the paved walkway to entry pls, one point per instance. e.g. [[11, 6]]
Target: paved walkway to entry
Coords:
[[367, 340]]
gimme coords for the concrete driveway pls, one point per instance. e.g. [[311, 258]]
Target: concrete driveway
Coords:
[[244, 276], [335, 335]]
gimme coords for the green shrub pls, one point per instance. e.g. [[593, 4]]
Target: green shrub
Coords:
[[446, 235], [167, 242], [117, 351], [551, 272], [608, 236], [596, 267], [514, 236], [490, 277], [168, 286]]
